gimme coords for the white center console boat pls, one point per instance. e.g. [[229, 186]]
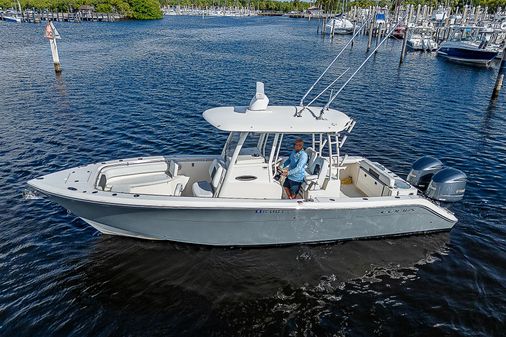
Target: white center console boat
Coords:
[[234, 198]]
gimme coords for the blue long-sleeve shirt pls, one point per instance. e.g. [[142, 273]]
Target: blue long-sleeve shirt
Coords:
[[296, 164]]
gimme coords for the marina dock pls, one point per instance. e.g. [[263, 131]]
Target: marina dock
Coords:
[[31, 16]]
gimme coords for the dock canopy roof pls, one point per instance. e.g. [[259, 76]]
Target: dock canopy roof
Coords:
[[277, 119]]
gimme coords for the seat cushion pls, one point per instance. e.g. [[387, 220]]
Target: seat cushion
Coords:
[[311, 177], [202, 189]]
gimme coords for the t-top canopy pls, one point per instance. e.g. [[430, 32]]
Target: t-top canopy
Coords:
[[260, 117], [277, 119]]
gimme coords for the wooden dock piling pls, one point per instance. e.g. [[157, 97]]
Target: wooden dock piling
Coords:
[[371, 28], [333, 29], [405, 40], [500, 75], [378, 34], [418, 13]]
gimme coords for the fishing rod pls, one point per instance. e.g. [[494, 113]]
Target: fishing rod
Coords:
[[331, 63], [358, 69]]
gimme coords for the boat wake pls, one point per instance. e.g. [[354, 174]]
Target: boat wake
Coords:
[[31, 195]]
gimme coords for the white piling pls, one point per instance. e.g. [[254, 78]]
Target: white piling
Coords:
[[56, 58], [52, 35]]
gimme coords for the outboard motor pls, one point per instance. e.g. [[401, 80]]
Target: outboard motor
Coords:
[[422, 171], [448, 185]]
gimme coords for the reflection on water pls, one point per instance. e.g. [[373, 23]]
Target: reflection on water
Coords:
[[218, 274], [287, 290], [60, 85]]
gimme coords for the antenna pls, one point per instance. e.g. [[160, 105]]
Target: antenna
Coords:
[[260, 101]]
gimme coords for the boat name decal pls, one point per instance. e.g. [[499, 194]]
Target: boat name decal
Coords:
[[395, 211], [270, 211]]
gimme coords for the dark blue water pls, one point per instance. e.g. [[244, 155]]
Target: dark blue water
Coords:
[[139, 88]]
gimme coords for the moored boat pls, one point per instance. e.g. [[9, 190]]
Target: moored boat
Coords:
[[340, 25], [470, 45], [467, 52], [421, 39], [399, 32], [11, 16]]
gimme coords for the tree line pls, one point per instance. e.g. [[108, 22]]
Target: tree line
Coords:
[[135, 9], [150, 9]]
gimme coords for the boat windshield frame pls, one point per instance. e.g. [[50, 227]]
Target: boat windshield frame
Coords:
[[269, 146]]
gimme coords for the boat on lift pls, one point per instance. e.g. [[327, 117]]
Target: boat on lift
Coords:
[[234, 198]]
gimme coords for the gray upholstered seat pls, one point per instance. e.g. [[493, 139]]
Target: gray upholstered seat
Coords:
[[206, 189], [317, 173], [202, 189]]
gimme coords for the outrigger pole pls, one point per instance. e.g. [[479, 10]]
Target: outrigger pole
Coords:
[[331, 63], [358, 69], [327, 88]]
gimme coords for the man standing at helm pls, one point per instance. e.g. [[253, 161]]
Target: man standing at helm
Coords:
[[294, 169]]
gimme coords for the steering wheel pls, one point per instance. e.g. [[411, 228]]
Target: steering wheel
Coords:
[[275, 165]]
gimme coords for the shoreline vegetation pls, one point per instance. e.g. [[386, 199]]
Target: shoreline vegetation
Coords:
[[151, 9]]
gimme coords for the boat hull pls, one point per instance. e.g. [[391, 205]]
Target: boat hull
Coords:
[[12, 19], [342, 31], [467, 55], [421, 46], [256, 226]]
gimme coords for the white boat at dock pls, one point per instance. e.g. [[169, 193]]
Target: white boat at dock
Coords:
[[11, 16], [12, 19], [217, 11], [440, 14], [421, 38], [340, 25]]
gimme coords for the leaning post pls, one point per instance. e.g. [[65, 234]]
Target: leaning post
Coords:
[[52, 35], [500, 75], [333, 28]]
